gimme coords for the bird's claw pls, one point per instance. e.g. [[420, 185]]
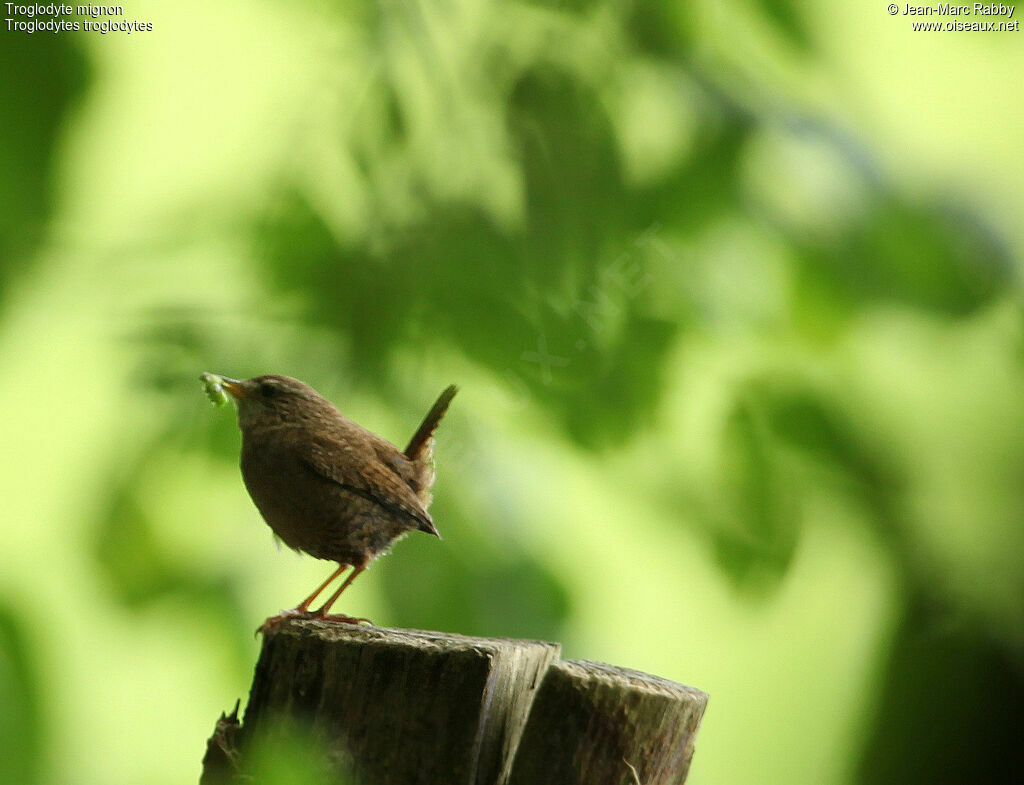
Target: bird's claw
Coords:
[[300, 613], [275, 621], [343, 618]]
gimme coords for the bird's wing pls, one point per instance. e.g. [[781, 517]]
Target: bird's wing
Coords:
[[343, 461], [388, 454]]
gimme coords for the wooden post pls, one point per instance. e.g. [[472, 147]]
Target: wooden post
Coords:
[[406, 707], [594, 724]]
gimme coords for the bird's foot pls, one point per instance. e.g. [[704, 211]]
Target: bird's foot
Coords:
[[275, 621], [340, 617], [302, 613]]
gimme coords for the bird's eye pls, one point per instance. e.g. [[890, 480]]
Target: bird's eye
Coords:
[[268, 390]]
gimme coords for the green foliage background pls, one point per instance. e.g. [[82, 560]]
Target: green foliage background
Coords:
[[731, 289]]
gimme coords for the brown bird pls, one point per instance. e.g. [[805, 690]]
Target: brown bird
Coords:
[[326, 485]]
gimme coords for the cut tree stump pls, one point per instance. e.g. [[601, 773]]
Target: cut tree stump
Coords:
[[406, 707], [594, 724]]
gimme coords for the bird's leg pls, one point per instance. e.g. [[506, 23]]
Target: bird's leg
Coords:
[[303, 606], [322, 612], [302, 609]]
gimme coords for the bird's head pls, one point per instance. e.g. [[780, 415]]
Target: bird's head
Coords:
[[267, 401]]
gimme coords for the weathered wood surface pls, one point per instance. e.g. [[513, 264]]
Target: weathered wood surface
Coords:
[[594, 724], [406, 707]]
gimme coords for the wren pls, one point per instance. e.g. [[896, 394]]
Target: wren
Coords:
[[325, 485]]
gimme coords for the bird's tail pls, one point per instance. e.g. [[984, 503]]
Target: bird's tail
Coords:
[[419, 445]]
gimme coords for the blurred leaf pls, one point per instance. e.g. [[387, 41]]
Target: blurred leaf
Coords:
[[129, 554], [809, 421], [520, 599], [457, 276], [655, 27], [857, 241], [756, 546], [951, 706], [474, 591], [575, 190], [939, 260], [43, 75], [614, 392], [428, 586], [785, 17], [820, 428], [21, 744], [140, 570], [706, 185], [933, 258], [573, 6], [284, 753]]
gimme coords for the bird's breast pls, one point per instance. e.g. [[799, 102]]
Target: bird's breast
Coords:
[[281, 488]]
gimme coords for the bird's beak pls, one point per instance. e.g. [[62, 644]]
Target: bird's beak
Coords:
[[234, 387]]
